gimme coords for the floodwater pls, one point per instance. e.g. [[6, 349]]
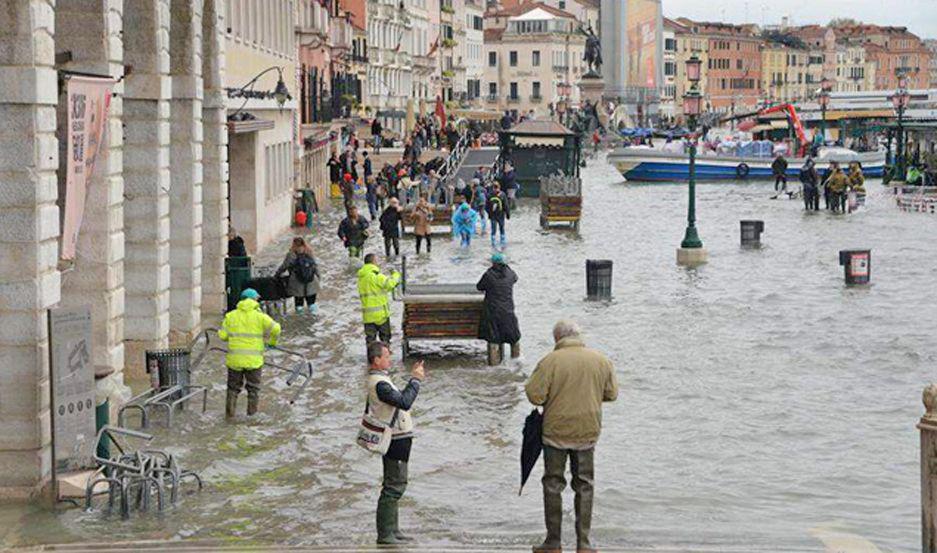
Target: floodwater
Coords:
[[764, 405]]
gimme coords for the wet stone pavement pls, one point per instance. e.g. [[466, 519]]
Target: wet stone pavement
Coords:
[[764, 405]]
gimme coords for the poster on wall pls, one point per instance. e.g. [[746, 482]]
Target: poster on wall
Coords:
[[642, 19], [88, 100], [73, 388]]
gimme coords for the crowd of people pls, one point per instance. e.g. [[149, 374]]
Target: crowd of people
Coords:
[[834, 185], [413, 191]]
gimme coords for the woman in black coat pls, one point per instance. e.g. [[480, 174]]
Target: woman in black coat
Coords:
[[498, 324]]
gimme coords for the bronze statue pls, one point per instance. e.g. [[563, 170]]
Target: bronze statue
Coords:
[[593, 53]]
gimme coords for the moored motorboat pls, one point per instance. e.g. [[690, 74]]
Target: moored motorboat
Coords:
[[643, 164]]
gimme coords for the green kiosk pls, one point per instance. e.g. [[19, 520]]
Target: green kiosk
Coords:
[[539, 148]]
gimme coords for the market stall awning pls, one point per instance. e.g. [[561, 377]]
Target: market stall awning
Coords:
[[836, 115]]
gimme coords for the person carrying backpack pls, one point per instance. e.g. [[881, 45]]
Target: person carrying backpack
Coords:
[[303, 283], [479, 202], [499, 209]]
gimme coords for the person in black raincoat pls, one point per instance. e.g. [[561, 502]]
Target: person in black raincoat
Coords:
[[499, 323]]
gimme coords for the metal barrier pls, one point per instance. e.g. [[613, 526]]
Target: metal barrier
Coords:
[[131, 476], [172, 387], [301, 368]]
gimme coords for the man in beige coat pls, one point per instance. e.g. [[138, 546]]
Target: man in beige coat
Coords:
[[571, 383]]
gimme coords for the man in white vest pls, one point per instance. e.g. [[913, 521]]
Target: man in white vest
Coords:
[[385, 401]]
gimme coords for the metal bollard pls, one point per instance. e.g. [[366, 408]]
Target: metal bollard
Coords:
[[751, 233], [599, 279], [857, 266]]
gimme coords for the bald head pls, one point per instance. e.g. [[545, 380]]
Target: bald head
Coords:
[[565, 329]]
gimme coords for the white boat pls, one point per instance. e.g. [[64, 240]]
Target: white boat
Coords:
[[643, 164]]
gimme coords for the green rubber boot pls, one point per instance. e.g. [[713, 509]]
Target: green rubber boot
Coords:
[[385, 523]]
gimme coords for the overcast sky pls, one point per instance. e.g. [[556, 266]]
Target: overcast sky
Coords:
[[919, 16]]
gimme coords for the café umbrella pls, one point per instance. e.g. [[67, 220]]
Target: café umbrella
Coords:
[[532, 445]]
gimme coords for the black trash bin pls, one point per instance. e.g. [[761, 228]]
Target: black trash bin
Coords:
[[270, 288], [751, 232], [169, 367], [857, 265], [599, 279], [237, 271]]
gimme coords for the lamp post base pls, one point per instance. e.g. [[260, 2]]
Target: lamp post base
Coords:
[[692, 257]]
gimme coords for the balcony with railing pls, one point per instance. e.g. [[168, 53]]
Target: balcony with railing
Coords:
[[341, 33], [424, 61], [536, 98], [514, 99], [491, 98], [313, 19]]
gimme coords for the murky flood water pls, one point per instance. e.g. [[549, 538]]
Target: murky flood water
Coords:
[[763, 406]]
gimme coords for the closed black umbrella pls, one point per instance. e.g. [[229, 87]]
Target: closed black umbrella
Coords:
[[532, 446]]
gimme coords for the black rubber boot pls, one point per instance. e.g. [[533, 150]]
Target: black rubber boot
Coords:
[[230, 405]]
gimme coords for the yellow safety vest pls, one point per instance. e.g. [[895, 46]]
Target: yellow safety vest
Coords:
[[373, 288], [244, 329]]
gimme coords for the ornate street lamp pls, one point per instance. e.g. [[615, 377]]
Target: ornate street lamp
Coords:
[[823, 98], [692, 108], [280, 93], [900, 100]]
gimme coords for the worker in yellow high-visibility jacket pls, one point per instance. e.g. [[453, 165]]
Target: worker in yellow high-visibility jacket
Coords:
[[373, 288], [246, 329]]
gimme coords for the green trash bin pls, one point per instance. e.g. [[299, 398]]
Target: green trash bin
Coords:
[[237, 271], [102, 417], [309, 205]]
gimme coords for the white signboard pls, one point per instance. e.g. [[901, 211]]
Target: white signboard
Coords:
[[73, 424]]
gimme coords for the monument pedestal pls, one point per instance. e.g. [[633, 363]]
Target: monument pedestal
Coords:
[[591, 89]]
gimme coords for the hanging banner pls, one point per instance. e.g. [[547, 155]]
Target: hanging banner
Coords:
[[88, 100]]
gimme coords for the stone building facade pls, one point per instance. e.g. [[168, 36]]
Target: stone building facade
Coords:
[[529, 51], [733, 65], [151, 245]]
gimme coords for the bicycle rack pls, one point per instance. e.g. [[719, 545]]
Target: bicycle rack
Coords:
[[133, 475]]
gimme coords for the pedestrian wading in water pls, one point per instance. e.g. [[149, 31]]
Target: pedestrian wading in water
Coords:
[[390, 227], [303, 283], [353, 231], [247, 331], [498, 324], [422, 217], [373, 290], [570, 383], [391, 406]]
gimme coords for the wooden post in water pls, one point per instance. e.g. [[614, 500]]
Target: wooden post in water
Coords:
[[928, 428]]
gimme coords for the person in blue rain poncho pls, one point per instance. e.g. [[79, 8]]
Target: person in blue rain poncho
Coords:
[[464, 220]]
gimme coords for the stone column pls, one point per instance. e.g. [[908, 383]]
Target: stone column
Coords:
[[185, 194], [214, 160], [928, 428], [90, 32], [614, 46], [146, 177], [29, 280]]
